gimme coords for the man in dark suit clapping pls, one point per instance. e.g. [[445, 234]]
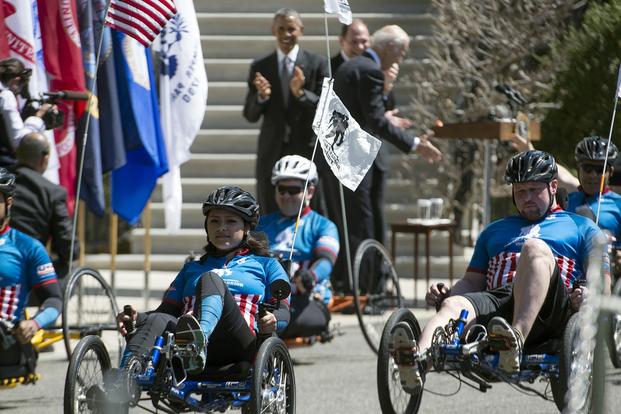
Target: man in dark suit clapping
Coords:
[[40, 206], [284, 88]]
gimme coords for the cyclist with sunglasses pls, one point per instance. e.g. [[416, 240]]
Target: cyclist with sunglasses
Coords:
[[316, 244]]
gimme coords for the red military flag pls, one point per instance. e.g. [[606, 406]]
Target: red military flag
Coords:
[[4, 44], [143, 20], [63, 63]]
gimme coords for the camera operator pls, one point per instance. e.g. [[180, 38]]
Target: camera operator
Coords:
[[14, 77]]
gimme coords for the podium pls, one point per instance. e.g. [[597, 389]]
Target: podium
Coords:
[[490, 130]]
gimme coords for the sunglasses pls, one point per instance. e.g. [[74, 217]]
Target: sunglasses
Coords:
[[589, 168], [291, 190]]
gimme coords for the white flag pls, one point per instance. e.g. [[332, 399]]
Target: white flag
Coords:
[[619, 83], [348, 149], [24, 33], [340, 8], [183, 95]]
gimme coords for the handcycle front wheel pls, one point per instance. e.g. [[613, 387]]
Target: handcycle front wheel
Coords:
[[571, 368], [88, 365], [89, 308], [273, 388], [614, 335], [393, 399], [376, 290]]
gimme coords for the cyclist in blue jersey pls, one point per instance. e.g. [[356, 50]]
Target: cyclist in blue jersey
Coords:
[[24, 267], [213, 301], [520, 278], [316, 245]]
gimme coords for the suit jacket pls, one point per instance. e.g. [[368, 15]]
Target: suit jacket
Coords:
[[285, 126], [40, 210], [359, 83], [335, 62]]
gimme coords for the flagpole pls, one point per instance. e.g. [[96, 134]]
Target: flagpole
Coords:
[[147, 252], [82, 233], [85, 138], [601, 184], [113, 239], [341, 192]]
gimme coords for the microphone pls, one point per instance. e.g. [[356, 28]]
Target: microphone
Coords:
[[70, 95], [510, 93]]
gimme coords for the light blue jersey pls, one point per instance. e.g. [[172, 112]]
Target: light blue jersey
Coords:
[[24, 266], [569, 236], [610, 209], [246, 275], [316, 245]]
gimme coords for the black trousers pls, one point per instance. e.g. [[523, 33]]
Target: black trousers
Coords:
[[308, 317], [365, 215], [231, 341]]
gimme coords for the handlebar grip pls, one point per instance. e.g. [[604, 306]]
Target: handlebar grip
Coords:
[[130, 325]]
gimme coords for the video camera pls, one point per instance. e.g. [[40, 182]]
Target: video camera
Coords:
[[53, 118]]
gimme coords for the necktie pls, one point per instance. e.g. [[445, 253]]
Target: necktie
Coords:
[[285, 78]]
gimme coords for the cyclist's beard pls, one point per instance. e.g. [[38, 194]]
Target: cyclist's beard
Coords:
[[534, 216]]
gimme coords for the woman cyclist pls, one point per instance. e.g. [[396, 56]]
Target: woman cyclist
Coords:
[[214, 301]]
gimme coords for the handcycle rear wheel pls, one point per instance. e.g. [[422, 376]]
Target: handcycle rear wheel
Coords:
[[88, 365], [273, 380], [569, 364], [614, 336], [393, 399], [376, 290], [89, 307]]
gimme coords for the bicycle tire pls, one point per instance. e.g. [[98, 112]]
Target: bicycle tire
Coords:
[[388, 382], [76, 388], [102, 312], [613, 338], [374, 300]]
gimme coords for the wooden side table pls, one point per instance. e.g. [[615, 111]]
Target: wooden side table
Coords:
[[425, 227]]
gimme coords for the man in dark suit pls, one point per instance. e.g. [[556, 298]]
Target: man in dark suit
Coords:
[[360, 83], [354, 40], [40, 206], [284, 88]]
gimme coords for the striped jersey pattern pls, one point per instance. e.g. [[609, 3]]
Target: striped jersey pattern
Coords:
[[141, 19], [502, 267], [9, 299]]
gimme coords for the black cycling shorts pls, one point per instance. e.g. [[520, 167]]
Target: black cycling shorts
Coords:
[[552, 317]]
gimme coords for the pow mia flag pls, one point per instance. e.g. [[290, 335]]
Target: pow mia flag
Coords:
[[348, 149]]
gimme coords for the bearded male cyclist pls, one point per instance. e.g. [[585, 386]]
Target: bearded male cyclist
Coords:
[[520, 278]]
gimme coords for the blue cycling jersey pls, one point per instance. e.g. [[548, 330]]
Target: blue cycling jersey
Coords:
[[317, 238], [569, 236], [610, 209], [24, 265], [247, 277]]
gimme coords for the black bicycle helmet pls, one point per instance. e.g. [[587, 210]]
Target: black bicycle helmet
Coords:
[[7, 182], [594, 149], [531, 166], [234, 199]]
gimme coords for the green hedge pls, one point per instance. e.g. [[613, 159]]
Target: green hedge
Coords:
[[588, 60]]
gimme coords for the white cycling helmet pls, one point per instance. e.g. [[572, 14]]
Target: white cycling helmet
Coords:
[[294, 167]]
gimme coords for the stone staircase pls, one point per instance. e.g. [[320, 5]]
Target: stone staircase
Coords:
[[233, 33]]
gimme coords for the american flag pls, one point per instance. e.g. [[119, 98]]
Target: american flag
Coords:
[[141, 19]]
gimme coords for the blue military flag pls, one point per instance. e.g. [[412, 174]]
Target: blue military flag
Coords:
[[133, 183]]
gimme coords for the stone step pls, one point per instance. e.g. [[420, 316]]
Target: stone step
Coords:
[[187, 239], [226, 141], [310, 6], [172, 263], [245, 46], [260, 23], [196, 189], [242, 165], [236, 70], [226, 117], [234, 93], [192, 216]]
